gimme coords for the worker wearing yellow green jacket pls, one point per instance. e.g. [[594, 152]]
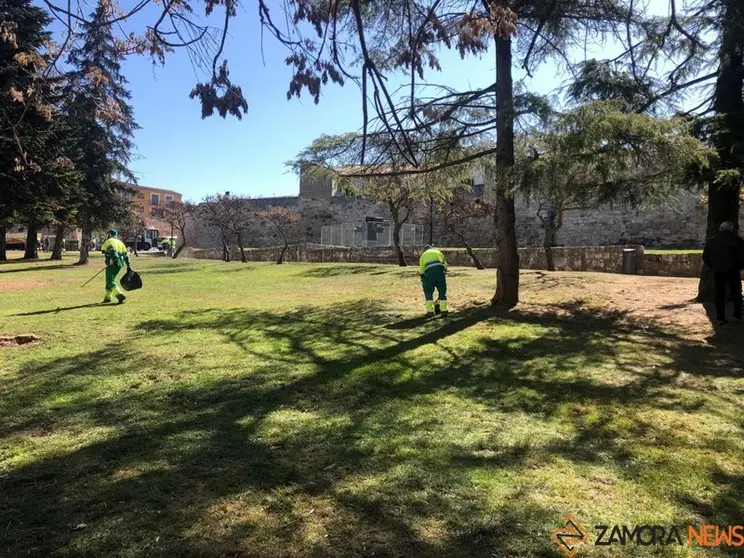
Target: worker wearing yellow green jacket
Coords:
[[433, 271], [116, 254]]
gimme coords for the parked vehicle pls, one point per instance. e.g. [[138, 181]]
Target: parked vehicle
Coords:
[[15, 244], [15, 241], [149, 238], [145, 241]]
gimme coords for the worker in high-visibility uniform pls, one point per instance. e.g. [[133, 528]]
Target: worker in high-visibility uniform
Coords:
[[116, 254], [433, 271]]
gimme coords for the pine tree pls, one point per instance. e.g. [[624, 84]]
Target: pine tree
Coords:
[[104, 122], [35, 174], [22, 36]]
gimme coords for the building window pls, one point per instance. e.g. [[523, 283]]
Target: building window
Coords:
[[155, 200], [168, 199], [127, 196], [141, 195], [139, 208]]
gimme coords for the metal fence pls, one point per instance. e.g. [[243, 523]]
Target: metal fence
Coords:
[[370, 235]]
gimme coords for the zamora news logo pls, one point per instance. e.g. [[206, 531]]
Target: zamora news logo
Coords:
[[570, 537]]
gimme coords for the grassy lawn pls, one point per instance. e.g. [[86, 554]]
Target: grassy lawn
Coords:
[[672, 251], [306, 410]]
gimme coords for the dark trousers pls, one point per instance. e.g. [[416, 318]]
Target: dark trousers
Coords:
[[732, 281]]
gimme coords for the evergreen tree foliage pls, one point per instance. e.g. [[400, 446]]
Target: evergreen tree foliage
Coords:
[[104, 124]]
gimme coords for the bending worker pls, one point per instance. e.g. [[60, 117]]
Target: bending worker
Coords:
[[433, 270], [116, 254]]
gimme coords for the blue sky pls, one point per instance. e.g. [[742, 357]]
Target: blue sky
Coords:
[[178, 150]]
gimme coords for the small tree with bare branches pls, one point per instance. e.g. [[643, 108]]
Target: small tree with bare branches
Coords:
[[399, 192], [232, 214], [130, 228], [177, 215], [209, 212], [460, 207], [283, 219]]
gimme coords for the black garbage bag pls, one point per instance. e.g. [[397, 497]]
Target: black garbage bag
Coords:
[[131, 281]]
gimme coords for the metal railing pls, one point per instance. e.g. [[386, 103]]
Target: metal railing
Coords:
[[370, 235]]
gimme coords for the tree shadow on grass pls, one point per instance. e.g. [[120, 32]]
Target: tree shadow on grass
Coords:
[[679, 305], [64, 309], [724, 507], [348, 439], [37, 268], [409, 323], [325, 271], [240, 269], [723, 334], [172, 265], [12, 261], [167, 271]]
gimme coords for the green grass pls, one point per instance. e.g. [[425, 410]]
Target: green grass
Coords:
[[672, 251], [306, 410]]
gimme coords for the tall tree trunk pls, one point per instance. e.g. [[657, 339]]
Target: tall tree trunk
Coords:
[[31, 240], [548, 243], [471, 253], [243, 259], [397, 225], [476, 261], [284, 250], [552, 225], [723, 205], [507, 272], [85, 240], [281, 256], [59, 232], [225, 248], [182, 246], [724, 199], [3, 242]]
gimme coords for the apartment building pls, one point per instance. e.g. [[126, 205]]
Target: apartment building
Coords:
[[144, 199]]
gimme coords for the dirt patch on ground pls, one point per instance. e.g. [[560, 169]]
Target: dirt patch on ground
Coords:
[[7, 285], [665, 301], [17, 340]]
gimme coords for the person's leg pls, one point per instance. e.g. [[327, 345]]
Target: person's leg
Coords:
[[720, 280], [111, 289], [427, 282], [734, 284], [442, 291], [110, 272], [115, 291]]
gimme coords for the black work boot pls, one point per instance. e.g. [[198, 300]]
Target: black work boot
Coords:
[[121, 298]]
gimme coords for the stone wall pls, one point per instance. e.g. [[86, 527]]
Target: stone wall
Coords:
[[316, 187], [603, 259], [675, 265], [681, 224], [592, 258], [314, 214]]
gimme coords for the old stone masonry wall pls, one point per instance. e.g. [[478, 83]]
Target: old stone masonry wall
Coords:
[[681, 223], [314, 214]]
